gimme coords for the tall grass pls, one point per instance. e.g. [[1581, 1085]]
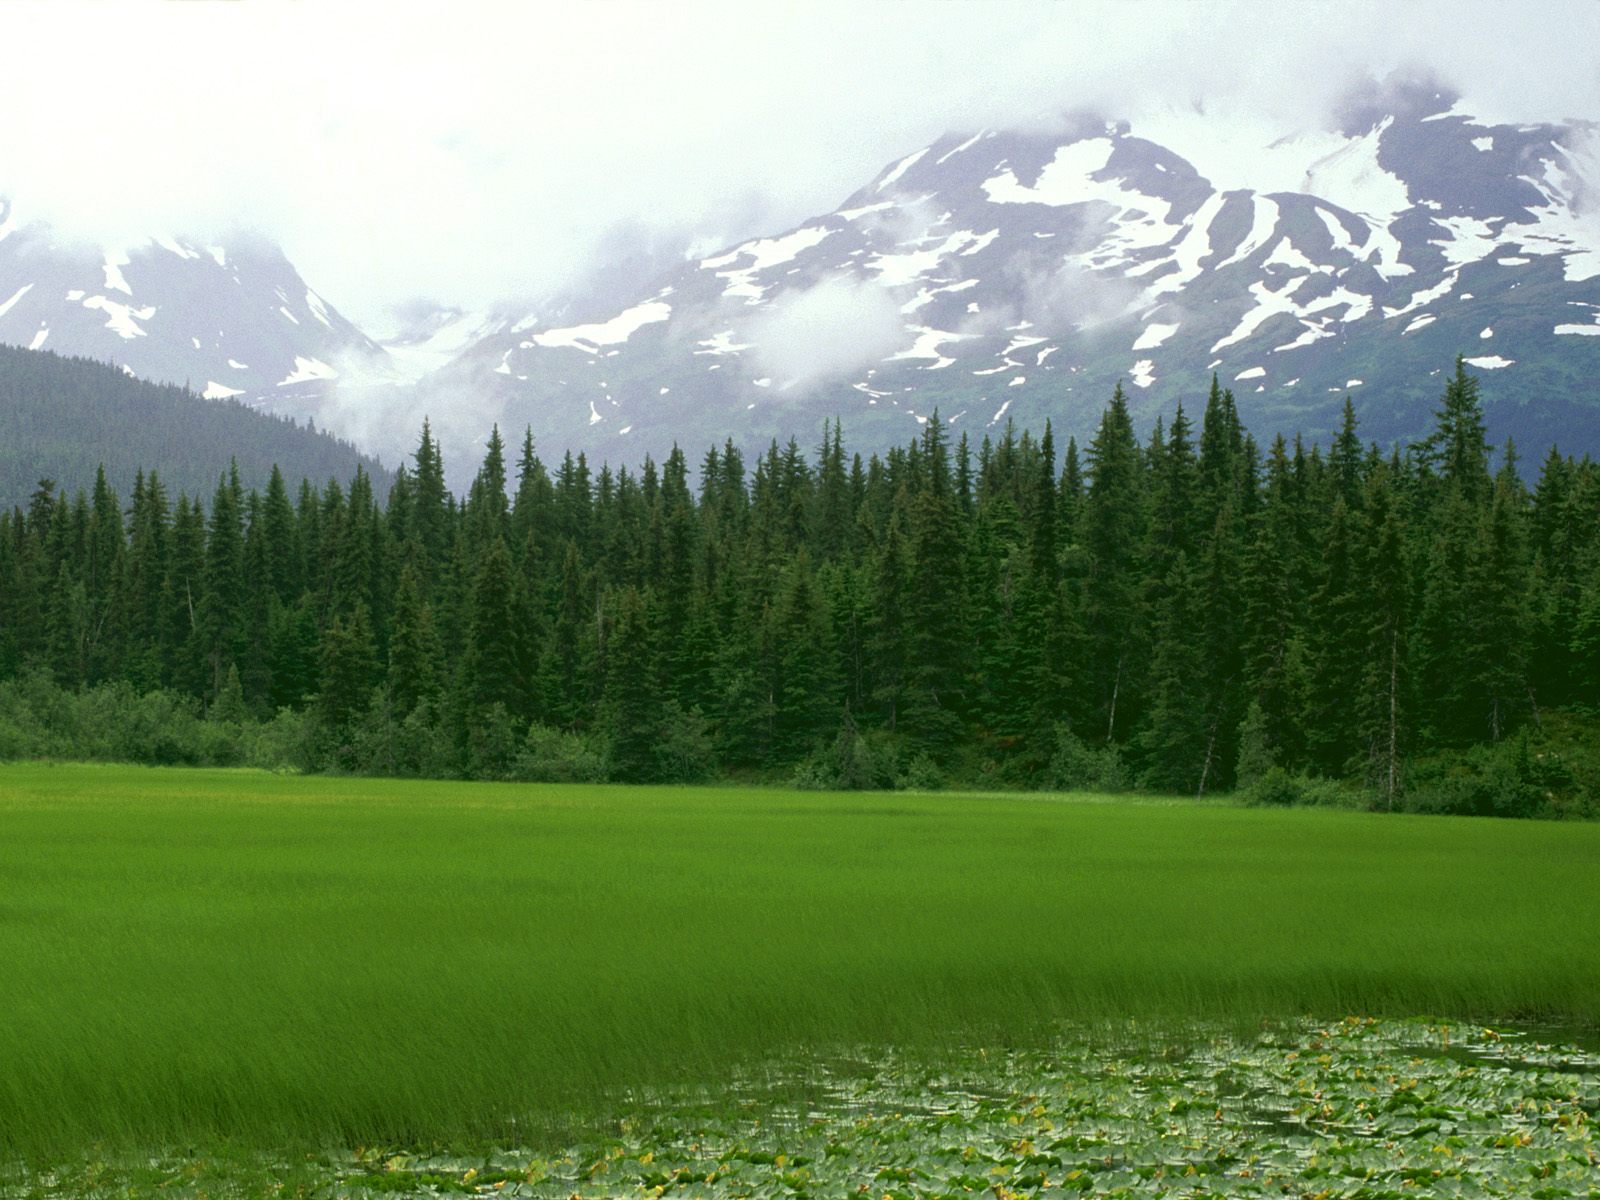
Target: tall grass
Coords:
[[193, 955]]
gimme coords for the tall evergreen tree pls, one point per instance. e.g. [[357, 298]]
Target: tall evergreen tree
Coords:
[[1114, 526]]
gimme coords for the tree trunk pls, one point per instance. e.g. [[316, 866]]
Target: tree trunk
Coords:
[[1116, 686]]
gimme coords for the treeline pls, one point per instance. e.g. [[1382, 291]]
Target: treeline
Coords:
[[1187, 614], [63, 417]]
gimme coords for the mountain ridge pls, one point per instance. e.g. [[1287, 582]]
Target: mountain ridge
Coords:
[[997, 275], [227, 317]]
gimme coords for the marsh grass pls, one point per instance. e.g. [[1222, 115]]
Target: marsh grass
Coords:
[[234, 957]]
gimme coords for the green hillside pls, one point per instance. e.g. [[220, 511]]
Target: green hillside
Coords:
[[61, 418]]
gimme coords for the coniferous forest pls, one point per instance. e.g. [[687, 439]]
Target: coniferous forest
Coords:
[[63, 417], [1180, 610]]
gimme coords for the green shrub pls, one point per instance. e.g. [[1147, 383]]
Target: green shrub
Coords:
[[280, 744], [557, 756], [1279, 788], [1076, 767], [1488, 781], [493, 744], [1275, 788], [922, 775], [685, 751], [850, 764]]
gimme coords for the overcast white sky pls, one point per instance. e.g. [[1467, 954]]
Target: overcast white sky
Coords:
[[472, 153]]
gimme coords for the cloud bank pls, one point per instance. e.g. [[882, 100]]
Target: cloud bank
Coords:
[[486, 154], [830, 330]]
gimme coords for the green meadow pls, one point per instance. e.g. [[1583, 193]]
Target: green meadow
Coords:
[[195, 957]]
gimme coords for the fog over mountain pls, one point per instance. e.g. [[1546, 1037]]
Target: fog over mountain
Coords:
[[493, 153], [999, 275]]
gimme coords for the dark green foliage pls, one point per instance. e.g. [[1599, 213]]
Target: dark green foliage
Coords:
[[63, 417], [1076, 767], [415, 657], [114, 722], [630, 705], [1178, 613], [347, 665]]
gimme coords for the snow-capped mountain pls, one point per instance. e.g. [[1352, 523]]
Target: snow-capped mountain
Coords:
[[228, 320], [1012, 275]]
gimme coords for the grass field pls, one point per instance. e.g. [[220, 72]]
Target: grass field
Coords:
[[202, 955]]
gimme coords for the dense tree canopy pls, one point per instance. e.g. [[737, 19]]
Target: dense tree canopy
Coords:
[[1186, 613]]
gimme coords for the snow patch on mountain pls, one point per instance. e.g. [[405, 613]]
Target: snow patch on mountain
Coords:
[[929, 344], [1469, 240], [721, 343], [1191, 249], [618, 329], [122, 319], [1154, 334], [307, 369], [22, 291], [896, 270], [318, 309], [1352, 178], [761, 255], [900, 168], [172, 246], [1568, 223], [115, 260]]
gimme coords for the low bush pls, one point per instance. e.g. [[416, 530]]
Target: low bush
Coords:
[[922, 775], [1277, 788], [1076, 767], [560, 756]]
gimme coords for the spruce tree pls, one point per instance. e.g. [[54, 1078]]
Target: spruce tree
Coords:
[[222, 617], [1113, 537], [630, 704], [806, 700], [1499, 616], [1337, 643], [183, 598], [347, 666], [1385, 703], [1173, 741], [937, 642], [489, 669], [415, 655]]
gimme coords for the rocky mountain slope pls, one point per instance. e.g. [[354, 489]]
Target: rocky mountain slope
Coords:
[[1003, 276], [233, 320]]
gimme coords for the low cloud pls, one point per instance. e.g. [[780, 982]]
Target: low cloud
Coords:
[[490, 152], [834, 329]]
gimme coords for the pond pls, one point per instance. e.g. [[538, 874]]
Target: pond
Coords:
[[1354, 1108]]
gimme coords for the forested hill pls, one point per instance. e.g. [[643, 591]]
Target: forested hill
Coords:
[[61, 418]]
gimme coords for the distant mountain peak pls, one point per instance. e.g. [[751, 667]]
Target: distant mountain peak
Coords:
[[229, 317], [1005, 274]]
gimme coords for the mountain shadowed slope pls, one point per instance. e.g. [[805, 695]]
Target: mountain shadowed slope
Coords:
[[61, 418]]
